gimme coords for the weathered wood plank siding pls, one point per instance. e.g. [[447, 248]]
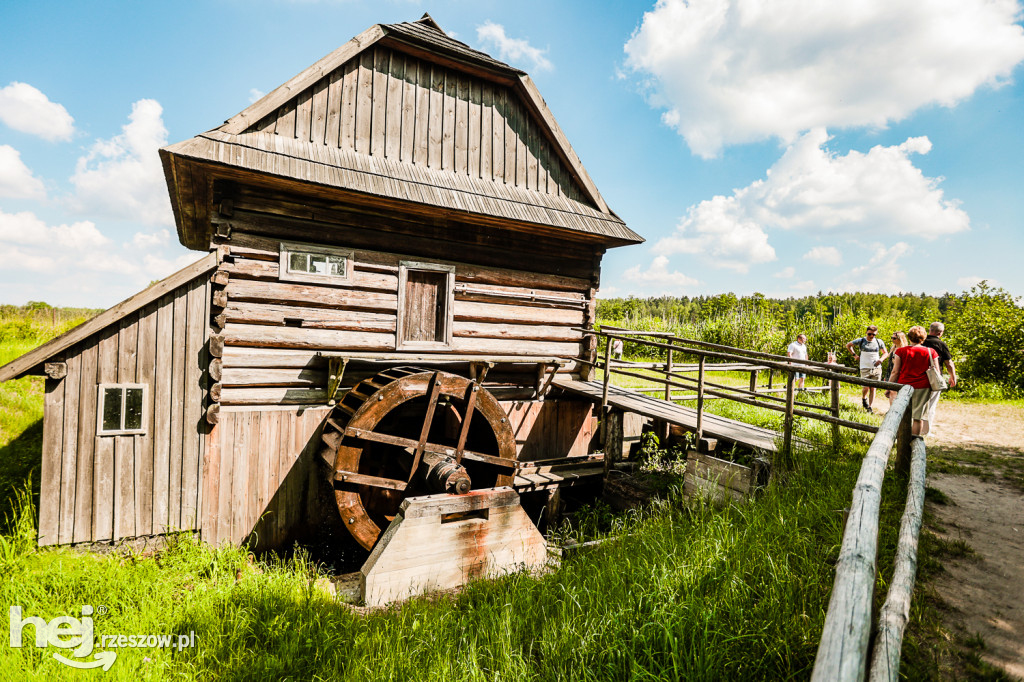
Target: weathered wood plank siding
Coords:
[[110, 488], [261, 492], [391, 105]]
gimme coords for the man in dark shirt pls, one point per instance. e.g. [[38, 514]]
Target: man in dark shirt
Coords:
[[935, 342]]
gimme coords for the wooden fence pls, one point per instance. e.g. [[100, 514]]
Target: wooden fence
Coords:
[[845, 652]]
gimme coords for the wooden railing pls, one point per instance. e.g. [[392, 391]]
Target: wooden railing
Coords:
[[668, 375], [845, 652]]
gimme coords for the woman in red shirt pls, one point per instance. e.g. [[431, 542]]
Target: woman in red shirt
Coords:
[[910, 366]]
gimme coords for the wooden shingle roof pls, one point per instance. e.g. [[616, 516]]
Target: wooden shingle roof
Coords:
[[405, 113]]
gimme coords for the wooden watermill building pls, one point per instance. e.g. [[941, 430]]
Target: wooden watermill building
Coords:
[[407, 200]]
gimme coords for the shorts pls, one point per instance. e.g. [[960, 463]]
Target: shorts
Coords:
[[871, 373], [919, 403], [933, 402], [799, 375]]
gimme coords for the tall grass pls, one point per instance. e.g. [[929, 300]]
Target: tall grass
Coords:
[[685, 591]]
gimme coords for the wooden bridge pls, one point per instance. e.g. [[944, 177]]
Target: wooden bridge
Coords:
[[720, 428]]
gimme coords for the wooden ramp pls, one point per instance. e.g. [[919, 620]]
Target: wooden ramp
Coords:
[[721, 428]]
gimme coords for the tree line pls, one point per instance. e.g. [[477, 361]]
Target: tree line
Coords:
[[983, 326]]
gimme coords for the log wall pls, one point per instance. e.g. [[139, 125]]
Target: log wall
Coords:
[[107, 488], [274, 331]]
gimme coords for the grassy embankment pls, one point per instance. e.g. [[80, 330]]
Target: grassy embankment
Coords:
[[686, 591]]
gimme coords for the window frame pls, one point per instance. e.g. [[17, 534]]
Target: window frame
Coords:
[[287, 275], [449, 297], [100, 404]]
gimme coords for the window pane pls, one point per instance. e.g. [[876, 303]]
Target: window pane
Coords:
[[336, 266], [112, 409], [133, 408], [318, 263], [298, 262]]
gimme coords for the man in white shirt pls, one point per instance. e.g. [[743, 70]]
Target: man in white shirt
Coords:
[[870, 351], [798, 351]]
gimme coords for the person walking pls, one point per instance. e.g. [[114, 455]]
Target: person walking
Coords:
[[899, 340], [935, 342], [910, 367], [617, 349], [871, 353], [798, 351]]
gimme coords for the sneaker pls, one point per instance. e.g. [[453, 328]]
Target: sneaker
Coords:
[[869, 409], [864, 404]]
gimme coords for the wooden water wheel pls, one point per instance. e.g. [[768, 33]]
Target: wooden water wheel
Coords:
[[409, 431]]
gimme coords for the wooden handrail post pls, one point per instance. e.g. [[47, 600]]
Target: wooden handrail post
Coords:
[[787, 428], [834, 390], [700, 399], [753, 381], [668, 370], [904, 438], [604, 390]]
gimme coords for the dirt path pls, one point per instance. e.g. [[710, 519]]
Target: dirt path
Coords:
[[976, 459]]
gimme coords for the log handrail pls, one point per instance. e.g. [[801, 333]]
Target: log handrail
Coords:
[[844, 647]]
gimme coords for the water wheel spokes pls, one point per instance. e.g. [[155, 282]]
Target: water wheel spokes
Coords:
[[410, 431]]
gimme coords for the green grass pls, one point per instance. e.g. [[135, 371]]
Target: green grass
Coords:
[[685, 591]]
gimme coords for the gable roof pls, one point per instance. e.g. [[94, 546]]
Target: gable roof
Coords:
[[550, 187], [33, 359]]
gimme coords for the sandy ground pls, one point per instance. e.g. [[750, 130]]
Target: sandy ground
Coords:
[[986, 594]]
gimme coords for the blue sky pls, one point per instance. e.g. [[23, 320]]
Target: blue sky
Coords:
[[874, 147]]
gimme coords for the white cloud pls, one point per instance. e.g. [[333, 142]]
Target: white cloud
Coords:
[[26, 229], [512, 50], [28, 110], [882, 273], [255, 95], [16, 180], [122, 177], [788, 272], [811, 190], [973, 281], [722, 231], [28, 244], [803, 288], [825, 255], [734, 71], [657, 274], [151, 240]]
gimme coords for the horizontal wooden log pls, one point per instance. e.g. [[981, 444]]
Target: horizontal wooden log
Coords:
[[314, 318], [216, 368], [263, 336], [246, 268], [489, 330], [523, 294], [464, 271], [273, 396], [266, 376], [213, 414], [495, 311], [310, 295]]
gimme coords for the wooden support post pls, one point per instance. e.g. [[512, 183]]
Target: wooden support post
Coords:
[[904, 438], [668, 371], [771, 375], [604, 390], [700, 398], [834, 390], [553, 508], [753, 381], [613, 439], [787, 429]]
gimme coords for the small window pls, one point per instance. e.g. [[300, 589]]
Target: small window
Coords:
[[425, 293], [311, 263], [122, 409]]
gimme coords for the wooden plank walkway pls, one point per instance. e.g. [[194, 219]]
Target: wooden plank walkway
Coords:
[[721, 428]]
